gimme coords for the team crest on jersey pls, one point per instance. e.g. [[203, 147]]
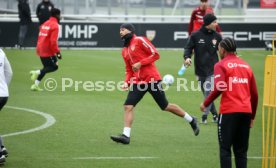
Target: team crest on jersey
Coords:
[[150, 34], [214, 41], [132, 47]]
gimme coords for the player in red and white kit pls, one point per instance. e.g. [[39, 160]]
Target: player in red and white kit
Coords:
[[197, 15], [142, 76], [47, 48], [234, 80]]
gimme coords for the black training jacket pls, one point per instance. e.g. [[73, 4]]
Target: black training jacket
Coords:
[[204, 44], [24, 12]]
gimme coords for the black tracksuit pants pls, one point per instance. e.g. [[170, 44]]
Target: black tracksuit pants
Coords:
[[3, 101], [233, 132], [49, 65]]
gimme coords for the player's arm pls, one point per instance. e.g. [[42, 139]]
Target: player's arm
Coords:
[[7, 70], [150, 50], [188, 50], [129, 72], [191, 24], [219, 86], [254, 97], [54, 40]]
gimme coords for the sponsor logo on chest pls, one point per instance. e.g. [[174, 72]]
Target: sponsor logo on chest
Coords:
[[239, 80], [201, 41]]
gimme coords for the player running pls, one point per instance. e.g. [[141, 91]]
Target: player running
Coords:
[[47, 48], [142, 76]]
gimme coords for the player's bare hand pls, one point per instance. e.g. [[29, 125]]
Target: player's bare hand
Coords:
[[188, 62], [124, 86], [251, 123], [202, 107], [136, 66]]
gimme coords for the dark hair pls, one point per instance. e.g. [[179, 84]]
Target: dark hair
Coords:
[[208, 19], [128, 26], [203, 0], [228, 44], [55, 12]]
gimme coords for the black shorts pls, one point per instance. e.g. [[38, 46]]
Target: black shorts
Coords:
[[137, 92], [3, 101], [49, 61]]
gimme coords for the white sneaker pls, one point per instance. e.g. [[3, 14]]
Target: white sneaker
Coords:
[[203, 121], [215, 119], [2, 159], [4, 152]]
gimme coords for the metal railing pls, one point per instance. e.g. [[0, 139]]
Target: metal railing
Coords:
[[130, 7], [149, 18]]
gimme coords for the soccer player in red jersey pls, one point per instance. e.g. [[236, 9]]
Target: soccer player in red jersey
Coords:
[[142, 76], [197, 15], [47, 48]]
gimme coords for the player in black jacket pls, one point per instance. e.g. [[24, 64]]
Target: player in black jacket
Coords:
[[25, 19], [204, 44], [43, 10]]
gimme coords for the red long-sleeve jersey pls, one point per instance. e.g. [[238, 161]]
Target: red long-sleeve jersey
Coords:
[[140, 49], [47, 44], [196, 20], [234, 79]]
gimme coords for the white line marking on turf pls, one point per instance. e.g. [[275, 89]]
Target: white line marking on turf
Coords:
[[259, 157], [115, 158], [139, 158], [50, 120]]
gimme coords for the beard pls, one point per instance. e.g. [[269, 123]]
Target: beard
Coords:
[[126, 39]]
